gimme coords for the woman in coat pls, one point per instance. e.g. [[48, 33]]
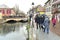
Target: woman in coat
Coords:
[[53, 21], [46, 24]]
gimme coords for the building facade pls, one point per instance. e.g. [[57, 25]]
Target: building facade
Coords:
[[56, 8], [36, 9], [53, 7], [6, 12], [40, 9], [48, 8]]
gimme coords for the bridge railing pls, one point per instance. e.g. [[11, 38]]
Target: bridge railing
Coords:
[[13, 17]]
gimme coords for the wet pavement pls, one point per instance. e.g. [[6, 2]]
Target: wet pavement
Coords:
[[18, 31], [40, 35]]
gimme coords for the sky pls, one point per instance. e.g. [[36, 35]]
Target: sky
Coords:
[[24, 5]]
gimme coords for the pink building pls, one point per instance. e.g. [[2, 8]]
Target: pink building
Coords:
[[7, 11]]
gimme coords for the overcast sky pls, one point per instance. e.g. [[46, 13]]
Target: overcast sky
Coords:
[[24, 5]]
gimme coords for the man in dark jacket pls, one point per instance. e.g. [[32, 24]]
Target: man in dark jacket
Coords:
[[30, 16], [39, 19]]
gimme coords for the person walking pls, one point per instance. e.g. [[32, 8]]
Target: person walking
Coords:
[[37, 20], [41, 20], [46, 24], [30, 16], [53, 21]]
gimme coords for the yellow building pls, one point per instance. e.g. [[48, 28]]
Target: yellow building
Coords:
[[40, 9], [0, 15]]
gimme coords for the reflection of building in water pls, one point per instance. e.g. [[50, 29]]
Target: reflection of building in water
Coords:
[[6, 28], [1, 29]]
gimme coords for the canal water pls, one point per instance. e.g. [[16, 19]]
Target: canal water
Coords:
[[15, 31]]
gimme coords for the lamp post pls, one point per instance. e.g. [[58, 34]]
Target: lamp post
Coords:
[[32, 20], [32, 7]]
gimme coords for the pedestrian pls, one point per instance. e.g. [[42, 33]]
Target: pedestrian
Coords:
[[30, 16], [46, 24], [53, 21], [37, 20], [41, 21]]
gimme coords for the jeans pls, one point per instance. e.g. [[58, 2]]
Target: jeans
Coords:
[[53, 24], [38, 25], [46, 29]]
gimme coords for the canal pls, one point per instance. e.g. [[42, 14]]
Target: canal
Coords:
[[15, 31]]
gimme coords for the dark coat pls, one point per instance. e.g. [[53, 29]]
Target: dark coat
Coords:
[[39, 19], [46, 22]]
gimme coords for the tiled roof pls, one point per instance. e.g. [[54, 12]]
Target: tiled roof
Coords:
[[3, 6]]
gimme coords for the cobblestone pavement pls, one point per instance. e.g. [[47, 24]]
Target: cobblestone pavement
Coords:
[[55, 29], [40, 35], [45, 36]]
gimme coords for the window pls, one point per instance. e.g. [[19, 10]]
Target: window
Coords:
[[8, 11], [49, 2], [3, 11], [58, 7], [54, 0], [48, 9], [0, 10]]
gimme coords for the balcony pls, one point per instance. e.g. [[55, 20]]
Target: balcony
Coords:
[[54, 10], [56, 2]]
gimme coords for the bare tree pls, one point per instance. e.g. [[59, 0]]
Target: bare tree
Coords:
[[16, 9]]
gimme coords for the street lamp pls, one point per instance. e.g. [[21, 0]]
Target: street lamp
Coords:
[[32, 19], [32, 3], [32, 7], [30, 24]]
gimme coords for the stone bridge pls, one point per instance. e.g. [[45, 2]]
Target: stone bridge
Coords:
[[15, 19]]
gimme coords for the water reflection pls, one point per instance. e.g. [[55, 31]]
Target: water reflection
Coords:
[[6, 28]]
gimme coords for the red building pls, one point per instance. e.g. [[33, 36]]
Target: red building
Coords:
[[7, 11]]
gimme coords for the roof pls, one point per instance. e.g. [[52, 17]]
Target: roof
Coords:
[[3, 6], [57, 2], [47, 1]]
